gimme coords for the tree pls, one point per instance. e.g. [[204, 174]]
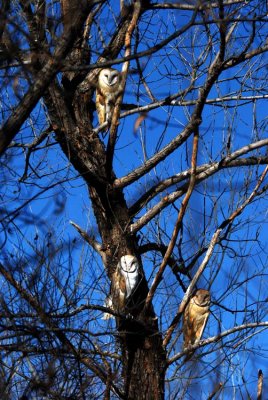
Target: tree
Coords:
[[176, 179]]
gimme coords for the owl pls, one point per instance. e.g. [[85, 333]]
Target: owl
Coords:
[[195, 317], [109, 87], [124, 281]]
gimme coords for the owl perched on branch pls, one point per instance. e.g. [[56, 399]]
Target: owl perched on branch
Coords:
[[195, 318], [109, 87], [124, 281]]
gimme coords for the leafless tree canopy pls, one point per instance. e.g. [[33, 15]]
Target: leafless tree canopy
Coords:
[[175, 179]]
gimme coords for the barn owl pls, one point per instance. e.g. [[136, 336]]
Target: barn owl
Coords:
[[195, 317], [109, 87], [124, 281]]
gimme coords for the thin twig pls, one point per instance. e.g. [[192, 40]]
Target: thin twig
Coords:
[[217, 389]]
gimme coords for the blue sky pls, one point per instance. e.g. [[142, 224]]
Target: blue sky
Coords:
[[236, 273]]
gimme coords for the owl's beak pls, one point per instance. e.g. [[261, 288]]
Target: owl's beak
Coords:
[[111, 80]]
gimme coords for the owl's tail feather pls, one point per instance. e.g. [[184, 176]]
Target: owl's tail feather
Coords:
[[108, 303]]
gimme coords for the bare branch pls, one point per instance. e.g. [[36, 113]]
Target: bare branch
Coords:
[[217, 389], [42, 81], [202, 172], [91, 241], [200, 6], [217, 338], [50, 324]]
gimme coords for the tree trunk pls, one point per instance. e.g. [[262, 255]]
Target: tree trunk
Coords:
[[144, 362], [70, 109]]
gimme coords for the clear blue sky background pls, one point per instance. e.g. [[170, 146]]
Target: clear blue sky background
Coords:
[[48, 216]]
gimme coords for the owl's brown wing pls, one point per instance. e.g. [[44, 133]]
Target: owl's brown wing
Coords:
[[100, 107], [118, 291], [188, 324], [201, 326]]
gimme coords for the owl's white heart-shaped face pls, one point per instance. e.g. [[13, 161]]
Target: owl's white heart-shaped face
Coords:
[[129, 263], [108, 77]]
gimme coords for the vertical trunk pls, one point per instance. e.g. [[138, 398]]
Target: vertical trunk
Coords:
[[144, 362]]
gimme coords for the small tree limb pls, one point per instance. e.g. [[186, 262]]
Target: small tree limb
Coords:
[[91, 241]]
